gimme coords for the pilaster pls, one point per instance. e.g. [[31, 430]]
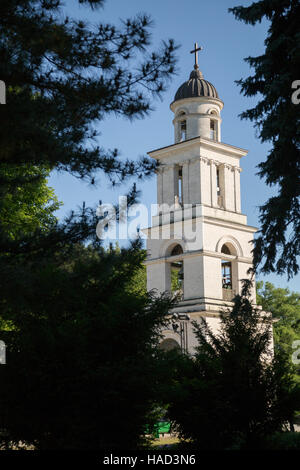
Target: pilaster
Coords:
[[185, 182], [194, 181], [237, 189], [205, 191], [169, 184], [213, 183], [160, 185], [229, 200]]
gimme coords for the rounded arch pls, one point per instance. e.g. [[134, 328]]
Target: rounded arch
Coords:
[[181, 112], [176, 250], [232, 244], [213, 112], [167, 344], [169, 245], [227, 249]]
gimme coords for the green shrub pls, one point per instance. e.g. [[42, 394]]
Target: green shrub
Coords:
[[284, 441]]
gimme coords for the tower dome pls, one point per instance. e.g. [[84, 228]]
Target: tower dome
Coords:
[[197, 107], [195, 87]]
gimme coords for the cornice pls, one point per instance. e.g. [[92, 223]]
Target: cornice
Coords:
[[197, 141], [197, 253], [208, 161]]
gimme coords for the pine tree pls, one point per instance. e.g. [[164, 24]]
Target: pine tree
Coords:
[[276, 117], [63, 76], [233, 393], [80, 345], [82, 362]]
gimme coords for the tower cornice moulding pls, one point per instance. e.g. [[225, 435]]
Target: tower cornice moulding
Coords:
[[196, 142]]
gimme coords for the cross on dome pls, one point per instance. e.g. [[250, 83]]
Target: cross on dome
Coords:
[[195, 51]]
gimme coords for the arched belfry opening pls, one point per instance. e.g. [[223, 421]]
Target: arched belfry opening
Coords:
[[176, 269], [176, 250], [181, 126], [168, 344], [225, 249], [214, 125], [213, 129], [229, 280]]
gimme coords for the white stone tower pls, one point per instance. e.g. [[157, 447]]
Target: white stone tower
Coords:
[[199, 243]]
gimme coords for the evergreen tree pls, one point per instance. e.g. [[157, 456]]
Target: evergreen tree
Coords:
[[233, 393], [81, 364], [276, 117], [63, 77]]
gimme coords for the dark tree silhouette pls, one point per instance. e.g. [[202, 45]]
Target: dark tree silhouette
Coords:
[[276, 117]]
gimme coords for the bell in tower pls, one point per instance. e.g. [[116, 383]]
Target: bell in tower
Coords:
[[199, 242]]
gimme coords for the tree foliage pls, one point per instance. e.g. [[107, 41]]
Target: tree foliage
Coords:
[[64, 76], [285, 308], [277, 120], [81, 363], [27, 207], [81, 350], [233, 393]]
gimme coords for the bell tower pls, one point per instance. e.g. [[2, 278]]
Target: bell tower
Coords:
[[199, 244]]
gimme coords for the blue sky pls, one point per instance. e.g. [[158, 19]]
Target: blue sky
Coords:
[[226, 43]]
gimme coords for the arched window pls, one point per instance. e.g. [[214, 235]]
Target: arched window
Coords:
[[177, 273], [182, 130], [218, 183], [213, 129], [180, 188], [168, 344], [213, 126], [226, 275], [177, 250], [182, 126], [178, 185], [220, 186], [225, 249], [226, 266]]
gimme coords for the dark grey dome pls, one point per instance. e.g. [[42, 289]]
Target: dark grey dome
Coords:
[[196, 86]]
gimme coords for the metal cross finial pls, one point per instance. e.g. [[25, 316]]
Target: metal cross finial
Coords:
[[195, 51]]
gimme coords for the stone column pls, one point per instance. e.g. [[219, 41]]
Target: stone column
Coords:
[[175, 124], [212, 277], [169, 184], [185, 182], [194, 181], [159, 277], [229, 200], [160, 185], [205, 191], [193, 277], [213, 183], [237, 189], [219, 129]]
